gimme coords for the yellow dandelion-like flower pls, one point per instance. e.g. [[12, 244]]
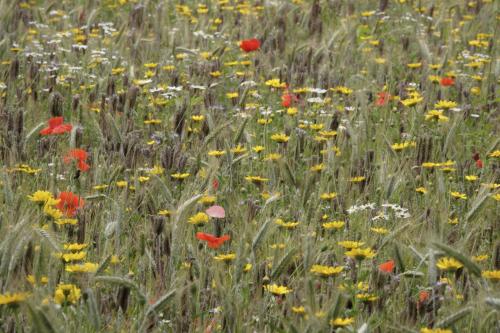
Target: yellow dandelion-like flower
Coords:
[[317, 167], [225, 257], [360, 254], [75, 246], [67, 293], [286, 225], [328, 196], [367, 297], [298, 310], [350, 244], [449, 264], [256, 179], [380, 231], [342, 322], [443, 104], [216, 153], [403, 145], [238, 150], [280, 138], [435, 330], [335, 225], [277, 290], [87, 267], [494, 154], [180, 176], [491, 275], [13, 298], [436, 115], [458, 195], [326, 271], [357, 179], [198, 218]]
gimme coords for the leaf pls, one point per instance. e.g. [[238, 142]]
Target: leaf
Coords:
[[471, 266], [260, 235], [282, 265], [450, 320], [122, 282], [216, 212], [103, 266]]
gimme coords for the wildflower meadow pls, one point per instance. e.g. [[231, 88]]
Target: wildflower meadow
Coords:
[[250, 166]]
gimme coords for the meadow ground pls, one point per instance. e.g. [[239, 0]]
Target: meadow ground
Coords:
[[249, 166]]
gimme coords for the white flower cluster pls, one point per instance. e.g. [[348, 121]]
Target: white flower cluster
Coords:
[[399, 212]]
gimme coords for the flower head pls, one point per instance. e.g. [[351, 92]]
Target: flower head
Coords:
[[277, 290], [69, 203], [56, 126], [213, 241], [79, 156], [249, 45]]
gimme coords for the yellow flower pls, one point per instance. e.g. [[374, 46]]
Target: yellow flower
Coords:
[[31, 279], [256, 179], [350, 244], [326, 270], [367, 297], [448, 264], [341, 322], [258, 149], [328, 196], [443, 104], [87, 267], [495, 154], [264, 121], [436, 115], [277, 290], [291, 111], [357, 179], [280, 138], [43, 197], [471, 178], [156, 170], [480, 258], [421, 190], [180, 176], [215, 74], [52, 212], [67, 293], [298, 309], [75, 246], [247, 268], [342, 90], [232, 95], [275, 83], [458, 195], [435, 330], [412, 101], [207, 199], [197, 118], [238, 150], [76, 256], [492, 275], [403, 145], [333, 225], [414, 65], [225, 257], [216, 153], [66, 222], [13, 298], [198, 218], [272, 157], [317, 167], [381, 231], [286, 225], [360, 254]]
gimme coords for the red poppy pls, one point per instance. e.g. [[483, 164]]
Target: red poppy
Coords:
[[423, 296], [476, 158], [288, 99], [213, 242], [383, 98], [249, 45], [215, 184], [69, 203], [78, 155], [447, 81], [56, 126], [387, 266]]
